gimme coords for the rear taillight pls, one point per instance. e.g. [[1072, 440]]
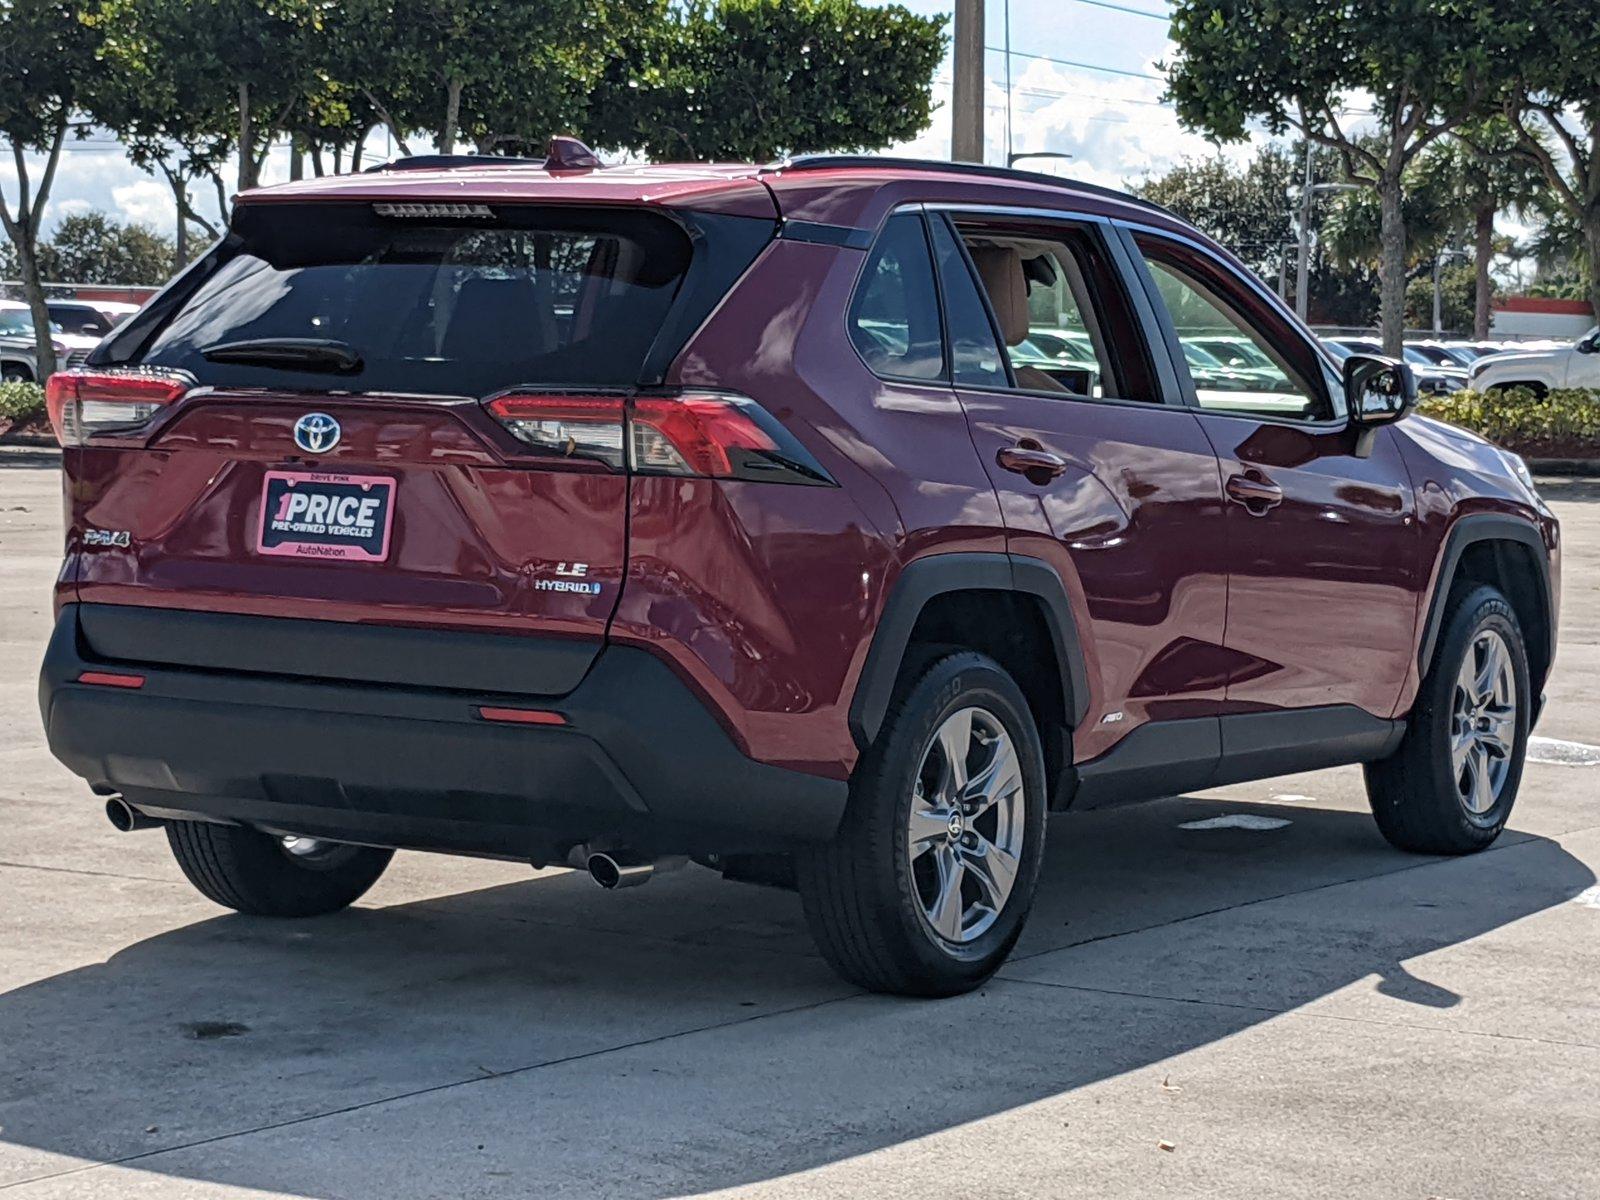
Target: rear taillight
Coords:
[[84, 403], [714, 435]]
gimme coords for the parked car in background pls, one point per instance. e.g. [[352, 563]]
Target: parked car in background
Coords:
[[1442, 355], [1431, 378], [92, 318], [19, 350], [1574, 366], [775, 554]]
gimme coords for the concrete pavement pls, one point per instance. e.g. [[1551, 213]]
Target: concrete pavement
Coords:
[[1224, 1012]]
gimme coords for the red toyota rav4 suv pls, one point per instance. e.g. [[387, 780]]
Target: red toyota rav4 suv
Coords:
[[606, 516]]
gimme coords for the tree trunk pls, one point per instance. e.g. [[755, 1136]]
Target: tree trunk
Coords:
[[181, 226], [1483, 256], [452, 116], [1392, 266], [316, 160], [33, 293], [356, 152], [297, 158], [247, 141], [1591, 244]]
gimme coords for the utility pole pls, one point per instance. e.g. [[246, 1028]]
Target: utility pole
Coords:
[[966, 102]]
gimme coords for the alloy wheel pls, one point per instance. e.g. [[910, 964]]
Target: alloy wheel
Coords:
[[966, 825], [1483, 722]]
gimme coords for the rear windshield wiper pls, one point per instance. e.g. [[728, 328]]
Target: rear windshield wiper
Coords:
[[305, 354]]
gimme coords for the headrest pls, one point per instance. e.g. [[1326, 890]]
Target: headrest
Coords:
[[1000, 268]]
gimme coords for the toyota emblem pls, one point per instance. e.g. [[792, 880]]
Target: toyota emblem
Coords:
[[316, 433]]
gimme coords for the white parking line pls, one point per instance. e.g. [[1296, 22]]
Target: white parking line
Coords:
[[1237, 821], [1565, 754], [1589, 897]]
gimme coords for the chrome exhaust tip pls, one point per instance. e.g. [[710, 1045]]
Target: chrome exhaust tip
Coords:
[[613, 872], [125, 818], [616, 868]]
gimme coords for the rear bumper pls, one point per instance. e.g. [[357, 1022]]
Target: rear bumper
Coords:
[[640, 758]]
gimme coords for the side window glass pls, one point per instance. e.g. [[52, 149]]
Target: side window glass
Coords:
[[1044, 305], [974, 354], [1236, 367], [894, 317]]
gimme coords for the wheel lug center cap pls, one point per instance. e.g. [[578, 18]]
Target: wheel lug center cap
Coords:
[[957, 825]]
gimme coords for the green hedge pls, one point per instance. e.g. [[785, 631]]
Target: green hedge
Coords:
[[20, 400], [1563, 424]]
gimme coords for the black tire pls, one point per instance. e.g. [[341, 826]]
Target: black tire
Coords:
[[255, 873], [15, 374], [859, 891], [1416, 794]]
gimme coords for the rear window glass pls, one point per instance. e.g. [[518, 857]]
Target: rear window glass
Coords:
[[448, 307]]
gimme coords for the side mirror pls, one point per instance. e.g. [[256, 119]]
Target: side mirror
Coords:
[[1590, 343], [1378, 391]]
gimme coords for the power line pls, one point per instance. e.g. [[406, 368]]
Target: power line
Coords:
[[1082, 66], [1123, 8]]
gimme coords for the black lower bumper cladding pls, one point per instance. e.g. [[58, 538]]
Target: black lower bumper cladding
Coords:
[[640, 758]]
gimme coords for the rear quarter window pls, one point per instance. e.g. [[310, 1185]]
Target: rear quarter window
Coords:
[[515, 295]]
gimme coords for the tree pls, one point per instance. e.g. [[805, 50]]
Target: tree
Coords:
[[92, 247], [754, 79], [1554, 111], [1294, 63], [1250, 211], [483, 71], [47, 60], [1253, 211], [1458, 289], [203, 79]]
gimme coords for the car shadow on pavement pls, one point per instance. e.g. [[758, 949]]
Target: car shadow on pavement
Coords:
[[545, 1038]]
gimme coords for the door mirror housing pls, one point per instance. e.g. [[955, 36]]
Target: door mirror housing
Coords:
[[1589, 343], [1378, 391]]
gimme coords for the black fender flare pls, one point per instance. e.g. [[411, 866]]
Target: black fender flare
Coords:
[[1485, 527], [923, 579]]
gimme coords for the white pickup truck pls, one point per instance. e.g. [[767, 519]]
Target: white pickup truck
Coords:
[[1574, 366]]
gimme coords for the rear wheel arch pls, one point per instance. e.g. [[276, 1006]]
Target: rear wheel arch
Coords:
[[1510, 555], [1013, 609], [17, 366]]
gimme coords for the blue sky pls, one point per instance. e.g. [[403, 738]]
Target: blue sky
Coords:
[[1106, 111]]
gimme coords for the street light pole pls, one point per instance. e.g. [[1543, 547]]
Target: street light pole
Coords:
[[966, 100], [1302, 276]]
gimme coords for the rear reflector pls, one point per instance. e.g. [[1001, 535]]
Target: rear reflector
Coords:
[[522, 716], [109, 679], [711, 435], [84, 403]]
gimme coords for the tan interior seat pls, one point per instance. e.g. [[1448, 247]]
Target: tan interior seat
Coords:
[[1000, 269]]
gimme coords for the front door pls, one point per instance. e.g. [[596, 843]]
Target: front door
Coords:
[[1322, 542], [1117, 491]]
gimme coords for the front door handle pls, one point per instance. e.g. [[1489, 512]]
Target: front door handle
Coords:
[[1030, 459], [1255, 491]]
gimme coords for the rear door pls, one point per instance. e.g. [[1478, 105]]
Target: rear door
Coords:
[[1097, 476], [405, 414]]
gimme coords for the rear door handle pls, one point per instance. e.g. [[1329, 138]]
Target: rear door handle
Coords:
[[1037, 463], [1255, 491]]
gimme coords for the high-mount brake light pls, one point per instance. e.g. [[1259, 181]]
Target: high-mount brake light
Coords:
[[710, 435], [84, 403]]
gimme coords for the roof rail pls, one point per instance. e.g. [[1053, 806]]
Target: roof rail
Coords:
[[440, 162], [564, 154], [821, 162]]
